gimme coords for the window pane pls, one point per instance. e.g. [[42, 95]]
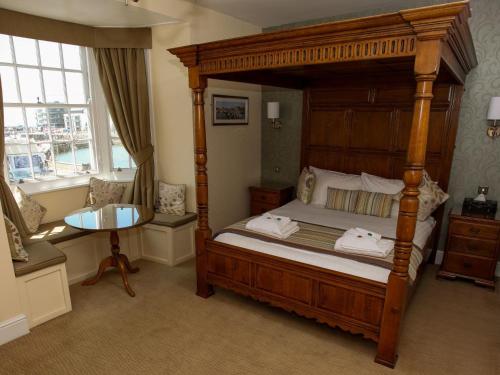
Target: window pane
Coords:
[[58, 120], [9, 86], [49, 54], [18, 162], [43, 162], [14, 131], [54, 89], [29, 80], [5, 52], [71, 56], [38, 125], [65, 162], [83, 154], [81, 123], [120, 155], [25, 50], [74, 85]]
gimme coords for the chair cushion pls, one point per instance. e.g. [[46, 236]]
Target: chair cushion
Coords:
[[41, 255], [55, 232], [173, 221]]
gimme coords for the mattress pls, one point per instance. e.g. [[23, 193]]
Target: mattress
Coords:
[[336, 219]]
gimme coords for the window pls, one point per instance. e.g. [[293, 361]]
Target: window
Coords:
[[52, 125], [120, 158]]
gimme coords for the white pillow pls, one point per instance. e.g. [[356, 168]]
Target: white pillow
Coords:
[[337, 180], [378, 184]]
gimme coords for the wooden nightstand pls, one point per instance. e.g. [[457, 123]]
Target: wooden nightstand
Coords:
[[472, 248], [268, 197]]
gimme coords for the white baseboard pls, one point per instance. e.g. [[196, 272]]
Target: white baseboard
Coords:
[[439, 259], [13, 328]]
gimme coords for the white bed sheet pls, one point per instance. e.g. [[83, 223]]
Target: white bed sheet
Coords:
[[332, 218]]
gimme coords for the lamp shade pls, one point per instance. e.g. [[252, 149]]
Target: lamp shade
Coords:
[[273, 110], [494, 110]]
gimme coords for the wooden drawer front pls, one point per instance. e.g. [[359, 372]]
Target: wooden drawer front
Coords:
[[283, 283], [469, 266], [266, 197], [476, 230], [350, 303], [258, 208], [480, 247], [231, 268]]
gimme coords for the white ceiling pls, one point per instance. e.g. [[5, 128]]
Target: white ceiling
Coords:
[[267, 13], [103, 13]]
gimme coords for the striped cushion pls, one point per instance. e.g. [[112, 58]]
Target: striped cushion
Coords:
[[374, 204], [342, 200]]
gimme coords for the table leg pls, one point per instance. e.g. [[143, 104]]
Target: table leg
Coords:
[[117, 260]]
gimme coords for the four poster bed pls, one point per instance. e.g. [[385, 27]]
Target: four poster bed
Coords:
[[381, 95]]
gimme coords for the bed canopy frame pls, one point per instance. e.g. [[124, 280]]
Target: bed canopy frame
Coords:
[[428, 46]]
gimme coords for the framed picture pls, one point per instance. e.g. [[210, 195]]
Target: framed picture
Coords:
[[229, 110]]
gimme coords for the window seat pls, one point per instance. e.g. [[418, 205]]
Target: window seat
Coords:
[[42, 255], [169, 239], [173, 221], [55, 232]]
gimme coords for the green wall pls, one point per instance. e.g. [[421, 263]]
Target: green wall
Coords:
[[476, 159]]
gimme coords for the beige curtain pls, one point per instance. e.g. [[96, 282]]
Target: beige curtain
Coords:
[[122, 72], [9, 205]]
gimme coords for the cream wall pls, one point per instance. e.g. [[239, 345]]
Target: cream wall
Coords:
[[60, 203], [233, 152], [10, 305]]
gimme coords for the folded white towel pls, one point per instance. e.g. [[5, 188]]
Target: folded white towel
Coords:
[[272, 226], [280, 221], [354, 241], [368, 233]]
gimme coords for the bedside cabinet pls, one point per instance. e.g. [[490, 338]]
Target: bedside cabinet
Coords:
[[472, 248], [268, 197]]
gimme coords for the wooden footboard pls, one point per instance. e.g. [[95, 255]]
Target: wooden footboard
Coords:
[[351, 303]]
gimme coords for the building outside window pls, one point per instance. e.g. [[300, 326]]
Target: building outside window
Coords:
[[50, 115]]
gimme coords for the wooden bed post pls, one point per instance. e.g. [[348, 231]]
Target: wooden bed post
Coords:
[[198, 84], [427, 62]]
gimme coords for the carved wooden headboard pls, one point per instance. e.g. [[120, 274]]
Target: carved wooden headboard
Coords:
[[362, 128]]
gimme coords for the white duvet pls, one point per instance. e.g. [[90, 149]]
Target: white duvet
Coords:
[[299, 211]]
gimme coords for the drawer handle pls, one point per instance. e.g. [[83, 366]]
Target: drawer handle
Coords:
[[474, 230], [467, 265]]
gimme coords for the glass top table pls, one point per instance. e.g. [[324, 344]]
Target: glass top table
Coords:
[[112, 218]]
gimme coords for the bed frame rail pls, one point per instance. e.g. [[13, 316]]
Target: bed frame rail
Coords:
[[353, 304]]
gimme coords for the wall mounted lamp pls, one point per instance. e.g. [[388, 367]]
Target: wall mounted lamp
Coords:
[[493, 131], [273, 114]]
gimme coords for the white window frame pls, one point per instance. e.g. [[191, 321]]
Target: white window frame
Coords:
[[100, 132]]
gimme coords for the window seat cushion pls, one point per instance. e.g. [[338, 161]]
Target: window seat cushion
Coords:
[[173, 221], [55, 232], [42, 254]]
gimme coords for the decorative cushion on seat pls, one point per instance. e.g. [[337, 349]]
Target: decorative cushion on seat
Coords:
[[41, 255], [103, 192], [173, 221], [32, 211], [171, 199], [17, 250], [55, 232]]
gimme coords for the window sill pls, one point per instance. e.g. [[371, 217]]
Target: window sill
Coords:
[[40, 187]]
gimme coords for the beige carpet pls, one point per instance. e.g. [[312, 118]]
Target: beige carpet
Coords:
[[451, 328]]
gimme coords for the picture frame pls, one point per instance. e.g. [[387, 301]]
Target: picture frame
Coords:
[[229, 110]]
